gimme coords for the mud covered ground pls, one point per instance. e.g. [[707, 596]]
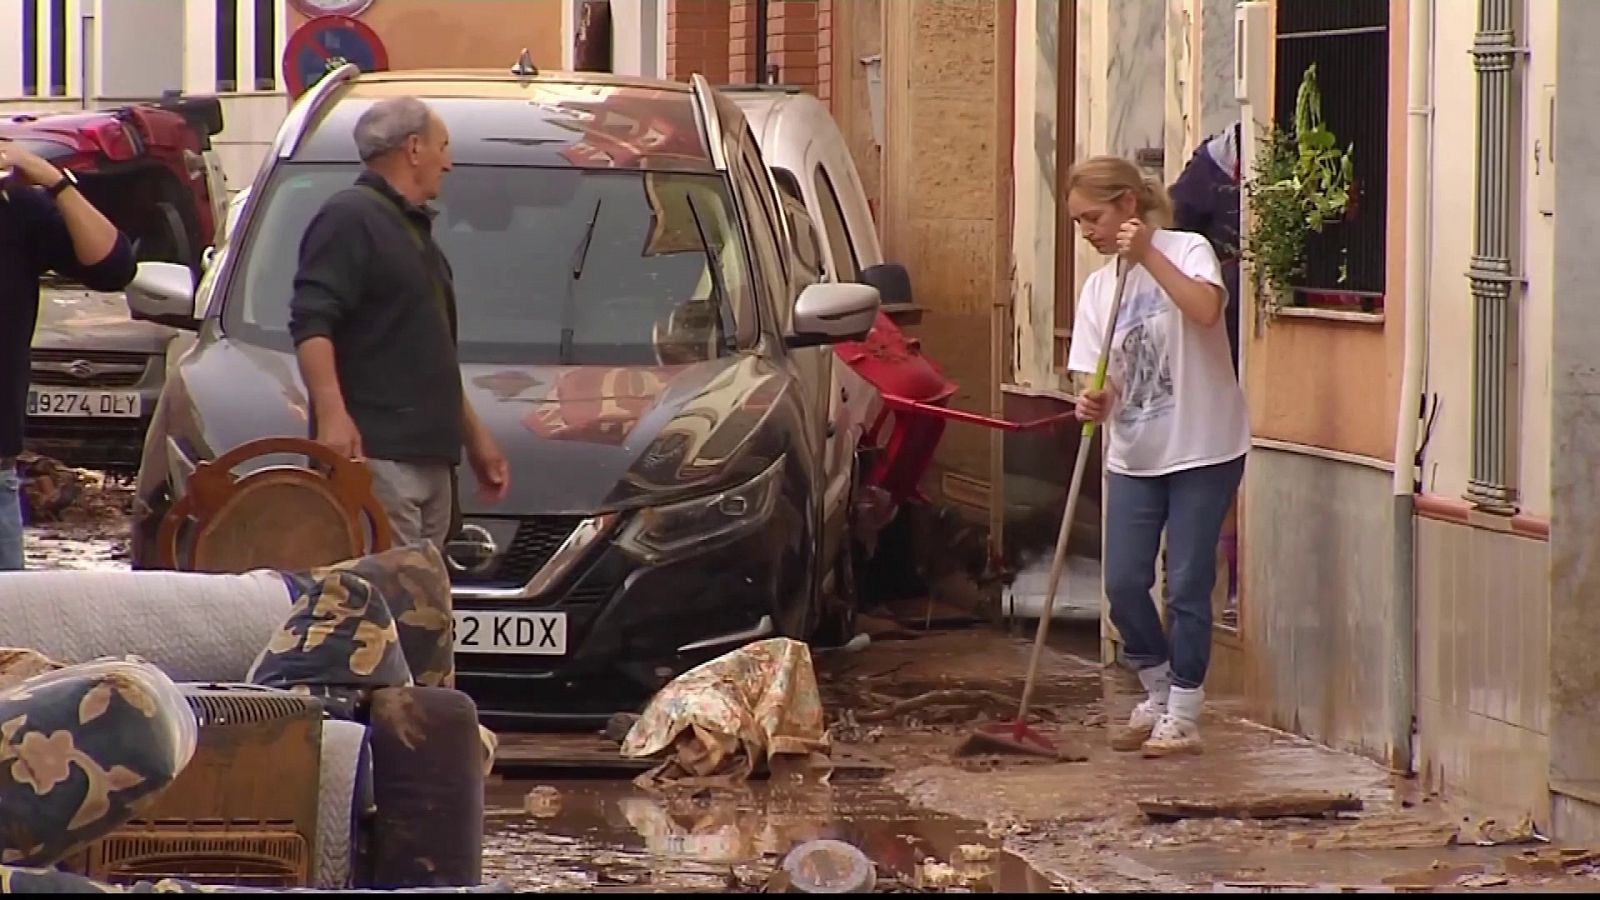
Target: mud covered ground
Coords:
[[931, 821]]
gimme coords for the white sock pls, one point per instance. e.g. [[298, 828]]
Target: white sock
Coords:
[[1185, 704], [1157, 681]]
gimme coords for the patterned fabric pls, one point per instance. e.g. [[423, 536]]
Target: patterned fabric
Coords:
[[339, 642], [723, 718], [81, 748], [415, 584]]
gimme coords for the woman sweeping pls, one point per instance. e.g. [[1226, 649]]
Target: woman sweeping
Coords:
[[1178, 434]]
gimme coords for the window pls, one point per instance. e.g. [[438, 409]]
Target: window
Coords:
[[807, 249], [227, 34], [266, 49], [788, 184], [645, 296], [756, 169], [1348, 42], [58, 48], [846, 267], [30, 48]]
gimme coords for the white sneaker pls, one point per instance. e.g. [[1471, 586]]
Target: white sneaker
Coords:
[[1178, 730], [1141, 724]]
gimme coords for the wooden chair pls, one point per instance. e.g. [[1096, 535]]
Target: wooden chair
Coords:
[[277, 517]]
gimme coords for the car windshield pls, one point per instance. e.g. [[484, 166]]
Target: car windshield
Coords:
[[644, 293]]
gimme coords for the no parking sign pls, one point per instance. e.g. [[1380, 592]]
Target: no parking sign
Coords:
[[324, 41]]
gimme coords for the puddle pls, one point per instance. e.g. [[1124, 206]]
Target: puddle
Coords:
[[609, 835]]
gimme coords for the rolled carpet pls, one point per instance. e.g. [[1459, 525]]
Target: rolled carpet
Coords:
[[192, 626], [428, 783]]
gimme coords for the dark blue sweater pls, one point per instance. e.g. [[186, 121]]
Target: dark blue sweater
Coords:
[[34, 240]]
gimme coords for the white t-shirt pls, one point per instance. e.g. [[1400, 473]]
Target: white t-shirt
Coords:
[[1178, 403]]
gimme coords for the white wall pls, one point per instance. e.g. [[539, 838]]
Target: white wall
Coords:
[[1450, 342], [137, 58]]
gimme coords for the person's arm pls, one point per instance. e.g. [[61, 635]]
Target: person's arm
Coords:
[[1194, 283], [67, 235], [327, 288]]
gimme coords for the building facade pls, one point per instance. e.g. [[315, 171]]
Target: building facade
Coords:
[[77, 53]]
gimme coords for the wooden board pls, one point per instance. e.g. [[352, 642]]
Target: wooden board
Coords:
[[1263, 806]]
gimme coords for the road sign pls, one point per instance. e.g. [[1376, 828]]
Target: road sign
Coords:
[[324, 40]]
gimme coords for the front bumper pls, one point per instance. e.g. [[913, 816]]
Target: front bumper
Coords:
[[631, 628], [110, 442]]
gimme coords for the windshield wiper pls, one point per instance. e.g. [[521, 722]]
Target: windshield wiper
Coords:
[[580, 256], [715, 266]]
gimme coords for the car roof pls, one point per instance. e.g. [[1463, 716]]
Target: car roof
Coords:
[[784, 121], [566, 120]]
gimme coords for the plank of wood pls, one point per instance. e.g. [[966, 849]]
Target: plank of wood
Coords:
[[1261, 806]]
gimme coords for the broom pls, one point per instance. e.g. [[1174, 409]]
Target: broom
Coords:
[[1016, 736]]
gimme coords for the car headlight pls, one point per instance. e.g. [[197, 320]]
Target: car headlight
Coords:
[[658, 532]]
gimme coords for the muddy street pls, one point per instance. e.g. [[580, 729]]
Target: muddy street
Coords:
[[1258, 811]]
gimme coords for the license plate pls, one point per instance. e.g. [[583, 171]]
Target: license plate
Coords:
[[51, 403], [525, 633]]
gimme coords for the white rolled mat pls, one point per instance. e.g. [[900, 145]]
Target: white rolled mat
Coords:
[[342, 746], [192, 626]]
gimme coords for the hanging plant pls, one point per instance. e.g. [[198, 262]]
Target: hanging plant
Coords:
[[1301, 182]]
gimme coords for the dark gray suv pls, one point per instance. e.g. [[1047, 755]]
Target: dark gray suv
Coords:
[[634, 330]]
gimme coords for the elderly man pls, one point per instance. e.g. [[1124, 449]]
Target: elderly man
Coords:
[[45, 225], [374, 323]]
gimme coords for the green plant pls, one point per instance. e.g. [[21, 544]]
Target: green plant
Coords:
[[1301, 182]]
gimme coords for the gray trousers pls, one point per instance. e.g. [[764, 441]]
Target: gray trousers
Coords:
[[416, 497]]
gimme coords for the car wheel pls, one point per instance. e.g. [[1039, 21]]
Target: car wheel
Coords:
[[837, 623]]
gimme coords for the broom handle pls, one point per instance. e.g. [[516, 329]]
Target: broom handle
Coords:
[[1079, 467]]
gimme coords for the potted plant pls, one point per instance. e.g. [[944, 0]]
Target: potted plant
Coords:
[[1301, 182]]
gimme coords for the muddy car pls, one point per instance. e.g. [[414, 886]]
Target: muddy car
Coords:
[[634, 330], [150, 169]]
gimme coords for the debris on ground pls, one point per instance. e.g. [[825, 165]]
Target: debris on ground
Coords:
[[1299, 804], [542, 802], [722, 721], [1549, 860], [53, 492], [1493, 833], [829, 867]]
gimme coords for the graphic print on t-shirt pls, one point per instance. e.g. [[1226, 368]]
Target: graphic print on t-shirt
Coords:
[[1142, 354]]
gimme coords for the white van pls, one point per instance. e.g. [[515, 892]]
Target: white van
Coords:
[[813, 168]]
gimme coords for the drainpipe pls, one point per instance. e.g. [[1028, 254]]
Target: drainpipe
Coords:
[[760, 48], [1407, 476]]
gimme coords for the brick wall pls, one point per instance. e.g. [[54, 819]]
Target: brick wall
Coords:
[[697, 39], [718, 39]]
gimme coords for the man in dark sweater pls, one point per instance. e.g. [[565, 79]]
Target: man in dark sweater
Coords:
[[45, 226], [374, 324]]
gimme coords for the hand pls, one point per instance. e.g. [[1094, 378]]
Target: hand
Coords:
[[338, 432], [1133, 240], [29, 167], [489, 464], [1094, 406]]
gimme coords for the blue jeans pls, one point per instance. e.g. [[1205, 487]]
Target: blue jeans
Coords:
[[1191, 506], [10, 517]]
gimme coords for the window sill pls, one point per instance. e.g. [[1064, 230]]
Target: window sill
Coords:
[[1331, 315]]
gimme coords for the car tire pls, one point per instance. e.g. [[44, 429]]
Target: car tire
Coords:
[[837, 623]]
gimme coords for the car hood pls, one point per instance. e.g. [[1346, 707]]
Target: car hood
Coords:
[[580, 439], [76, 319]]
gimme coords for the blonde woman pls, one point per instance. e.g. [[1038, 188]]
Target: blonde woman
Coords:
[[1178, 434]]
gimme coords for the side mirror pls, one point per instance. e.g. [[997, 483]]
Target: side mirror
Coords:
[[163, 292], [831, 313], [892, 281]]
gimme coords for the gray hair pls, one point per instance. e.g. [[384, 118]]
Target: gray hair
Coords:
[[386, 125]]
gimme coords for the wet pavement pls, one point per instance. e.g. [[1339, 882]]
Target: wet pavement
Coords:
[[609, 835]]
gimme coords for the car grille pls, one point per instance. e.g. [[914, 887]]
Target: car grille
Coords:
[[127, 369], [537, 540]]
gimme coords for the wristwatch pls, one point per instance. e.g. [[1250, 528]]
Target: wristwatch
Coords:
[[68, 180]]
